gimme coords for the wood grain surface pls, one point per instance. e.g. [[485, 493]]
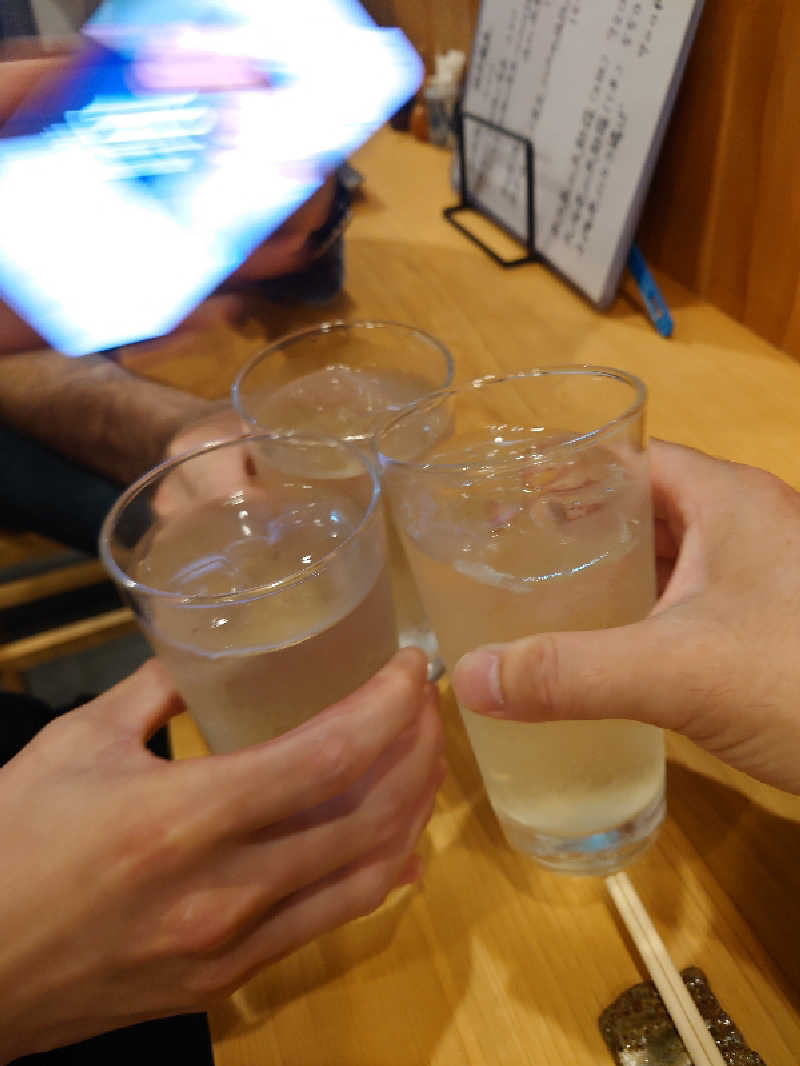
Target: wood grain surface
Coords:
[[723, 214]]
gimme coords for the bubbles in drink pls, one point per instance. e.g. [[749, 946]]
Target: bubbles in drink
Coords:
[[351, 402], [338, 401], [258, 637], [266, 539], [507, 537], [499, 506]]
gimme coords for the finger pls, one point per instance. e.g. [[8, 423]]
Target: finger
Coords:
[[218, 474], [685, 484], [139, 705], [656, 671], [218, 424], [401, 772], [266, 783], [351, 892], [378, 809]]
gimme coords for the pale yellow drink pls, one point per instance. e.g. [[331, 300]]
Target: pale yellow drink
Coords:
[[561, 778], [256, 668], [350, 403], [519, 545], [343, 402]]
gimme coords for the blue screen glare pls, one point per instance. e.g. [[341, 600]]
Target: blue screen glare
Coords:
[[184, 135]]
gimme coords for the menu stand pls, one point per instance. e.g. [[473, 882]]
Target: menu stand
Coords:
[[466, 203]]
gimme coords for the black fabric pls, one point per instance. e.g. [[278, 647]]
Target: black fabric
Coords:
[[183, 1039], [319, 283], [166, 1042], [16, 19], [41, 492]]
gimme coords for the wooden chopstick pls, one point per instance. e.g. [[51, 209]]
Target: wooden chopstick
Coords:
[[682, 1009]]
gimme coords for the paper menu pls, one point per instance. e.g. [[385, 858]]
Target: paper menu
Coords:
[[591, 83]]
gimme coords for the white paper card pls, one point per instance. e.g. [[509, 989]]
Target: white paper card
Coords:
[[591, 84]]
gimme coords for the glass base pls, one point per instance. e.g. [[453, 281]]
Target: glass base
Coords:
[[598, 854], [418, 637]]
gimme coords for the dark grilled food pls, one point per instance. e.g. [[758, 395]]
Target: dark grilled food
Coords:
[[639, 1031]]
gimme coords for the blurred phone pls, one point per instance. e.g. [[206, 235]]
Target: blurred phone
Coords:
[[182, 135]]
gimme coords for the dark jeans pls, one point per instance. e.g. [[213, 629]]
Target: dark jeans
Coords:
[[16, 19], [41, 492], [183, 1039]]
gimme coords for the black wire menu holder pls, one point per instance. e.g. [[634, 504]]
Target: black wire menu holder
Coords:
[[467, 203], [591, 84]]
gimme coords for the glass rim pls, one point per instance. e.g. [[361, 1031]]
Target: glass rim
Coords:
[[334, 326], [575, 443], [254, 592]]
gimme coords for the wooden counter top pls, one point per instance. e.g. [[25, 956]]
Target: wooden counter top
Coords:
[[494, 960]]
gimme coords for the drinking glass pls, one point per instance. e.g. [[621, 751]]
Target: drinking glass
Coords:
[[524, 505], [344, 379], [265, 591]]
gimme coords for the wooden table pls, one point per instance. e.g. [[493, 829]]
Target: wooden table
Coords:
[[493, 960]]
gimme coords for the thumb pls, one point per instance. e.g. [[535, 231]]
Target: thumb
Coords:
[[649, 671]]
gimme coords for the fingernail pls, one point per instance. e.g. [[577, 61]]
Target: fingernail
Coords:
[[476, 681], [408, 657]]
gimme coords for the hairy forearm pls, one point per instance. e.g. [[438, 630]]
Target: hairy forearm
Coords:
[[93, 411]]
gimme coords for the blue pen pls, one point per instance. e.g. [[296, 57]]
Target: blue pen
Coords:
[[651, 294]]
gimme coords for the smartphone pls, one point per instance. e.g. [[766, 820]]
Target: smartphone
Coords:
[[179, 138]]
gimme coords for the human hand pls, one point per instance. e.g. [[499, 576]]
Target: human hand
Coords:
[[222, 474], [134, 888], [716, 659], [217, 422]]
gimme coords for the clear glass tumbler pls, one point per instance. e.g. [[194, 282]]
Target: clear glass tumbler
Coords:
[[344, 379], [524, 505], [265, 591]]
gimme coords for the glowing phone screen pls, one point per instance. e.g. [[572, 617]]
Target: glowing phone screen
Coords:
[[183, 135]]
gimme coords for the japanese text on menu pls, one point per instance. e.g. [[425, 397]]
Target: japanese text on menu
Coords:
[[586, 81]]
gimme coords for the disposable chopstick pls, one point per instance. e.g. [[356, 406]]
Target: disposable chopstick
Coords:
[[682, 1009]]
